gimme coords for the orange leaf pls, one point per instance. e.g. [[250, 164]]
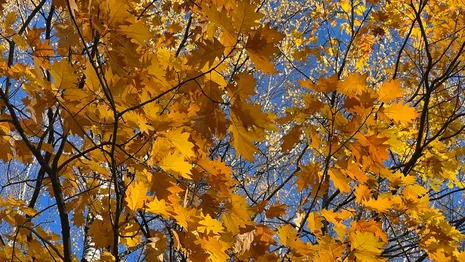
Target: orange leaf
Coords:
[[402, 114], [276, 210]]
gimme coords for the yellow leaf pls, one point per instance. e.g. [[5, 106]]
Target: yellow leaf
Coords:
[[20, 41], [243, 141], [29, 211], [369, 226], [181, 141], [176, 164], [208, 224], [117, 11], [315, 223], [216, 249], [106, 257], [239, 215], [184, 216], [136, 194], [158, 207], [220, 19], [92, 79], [325, 85], [155, 248], [130, 235], [340, 181], [138, 31], [362, 193], [365, 245], [243, 242], [287, 234], [382, 204], [63, 74]]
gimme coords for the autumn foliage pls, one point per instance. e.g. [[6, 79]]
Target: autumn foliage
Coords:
[[232, 130]]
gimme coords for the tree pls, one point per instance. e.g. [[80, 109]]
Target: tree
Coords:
[[232, 130]]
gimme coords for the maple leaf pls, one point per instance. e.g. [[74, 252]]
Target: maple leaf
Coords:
[[6, 153], [208, 224], [362, 193], [325, 85], [136, 195], [130, 236], [249, 116], [239, 215], [315, 223], [389, 91], [137, 31], [63, 74], [158, 207], [365, 245], [107, 257], [155, 248], [369, 226], [176, 164], [243, 242], [98, 229], [92, 79], [287, 234], [382, 204], [116, 12], [337, 218], [402, 114], [291, 138], [216, 249], [309, 175], [353, 84], [184, 216]]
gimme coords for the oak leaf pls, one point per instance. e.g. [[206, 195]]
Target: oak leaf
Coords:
[[244, 141], [245, 17], [261, 51]]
